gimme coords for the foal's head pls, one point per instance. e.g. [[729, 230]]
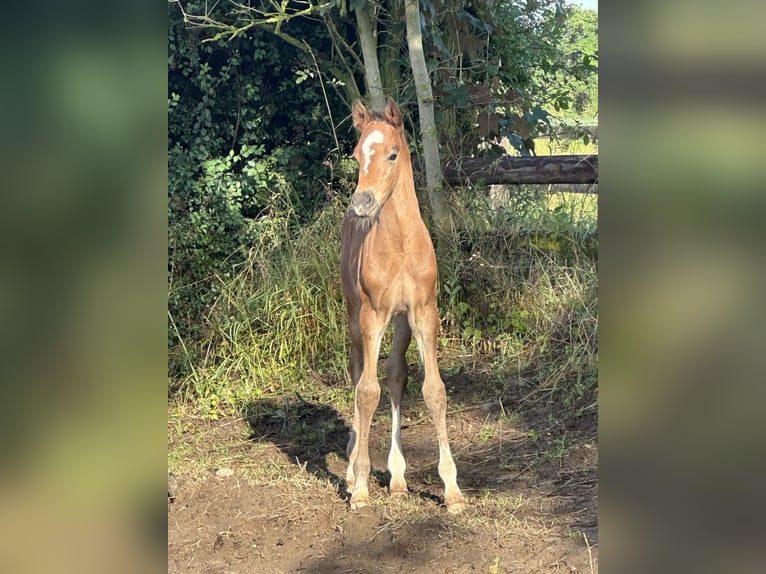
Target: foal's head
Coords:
[[381, 154]]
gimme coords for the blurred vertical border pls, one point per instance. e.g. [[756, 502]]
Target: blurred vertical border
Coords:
[[682, 279], [83, 292]]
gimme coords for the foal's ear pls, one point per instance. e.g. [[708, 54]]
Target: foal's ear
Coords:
[[360, 115], [393, 113]]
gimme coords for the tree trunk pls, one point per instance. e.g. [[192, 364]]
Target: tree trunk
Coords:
[[368, 41], [428, 133]]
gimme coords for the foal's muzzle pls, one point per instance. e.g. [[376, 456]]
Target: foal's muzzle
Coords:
[[363, 203]]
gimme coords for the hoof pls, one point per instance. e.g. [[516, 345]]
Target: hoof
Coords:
[[398, 487], [359, 500], [456, 506], [357, 504]]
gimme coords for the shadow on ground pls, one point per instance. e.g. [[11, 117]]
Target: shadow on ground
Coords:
[[307, 432]]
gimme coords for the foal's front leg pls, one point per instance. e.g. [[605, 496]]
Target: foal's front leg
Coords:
[[356, 360], [366, 397], [426, 328]]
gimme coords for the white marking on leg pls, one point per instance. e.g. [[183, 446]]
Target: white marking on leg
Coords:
[[396, 462], [374, 137]]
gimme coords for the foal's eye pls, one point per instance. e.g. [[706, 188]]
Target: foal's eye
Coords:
[[393, 156]]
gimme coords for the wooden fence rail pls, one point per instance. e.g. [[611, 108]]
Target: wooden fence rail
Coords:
[[510, 170]]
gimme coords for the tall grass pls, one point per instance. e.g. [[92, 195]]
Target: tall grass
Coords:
[[518, 299], [278, 323]]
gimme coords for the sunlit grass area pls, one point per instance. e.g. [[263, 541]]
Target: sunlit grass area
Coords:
[[552, 146]]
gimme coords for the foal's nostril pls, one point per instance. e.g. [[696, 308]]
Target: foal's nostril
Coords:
[[363, 199], [363, 202]]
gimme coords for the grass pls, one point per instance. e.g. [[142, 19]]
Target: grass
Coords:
[[565, 146], [276, 325], [518, 298]]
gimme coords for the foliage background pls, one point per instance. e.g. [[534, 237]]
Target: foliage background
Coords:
[[258, 176]]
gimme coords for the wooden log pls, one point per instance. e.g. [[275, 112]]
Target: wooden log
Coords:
[[516, 170]]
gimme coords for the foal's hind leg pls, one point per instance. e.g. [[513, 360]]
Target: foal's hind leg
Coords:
[[396, 369], [426, 327]]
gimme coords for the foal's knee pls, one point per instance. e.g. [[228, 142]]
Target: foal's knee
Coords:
[[367, 394]]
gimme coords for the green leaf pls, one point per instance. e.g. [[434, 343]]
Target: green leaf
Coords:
[[458, 96]]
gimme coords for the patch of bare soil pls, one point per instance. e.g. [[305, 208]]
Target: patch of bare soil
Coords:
[[266, 493]]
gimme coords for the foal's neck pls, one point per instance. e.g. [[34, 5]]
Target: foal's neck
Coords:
[[400, 217]]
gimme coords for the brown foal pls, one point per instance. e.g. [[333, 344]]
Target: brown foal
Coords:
[[388, 271]]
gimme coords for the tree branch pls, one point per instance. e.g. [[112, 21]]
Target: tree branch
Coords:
[[271, 21]]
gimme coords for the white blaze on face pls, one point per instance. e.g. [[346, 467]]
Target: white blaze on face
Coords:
[[367, 151]]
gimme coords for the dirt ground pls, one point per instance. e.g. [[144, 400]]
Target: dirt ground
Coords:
[[265, 493]]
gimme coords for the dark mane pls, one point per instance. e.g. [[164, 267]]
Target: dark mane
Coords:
[[363, 224], [377, 116]]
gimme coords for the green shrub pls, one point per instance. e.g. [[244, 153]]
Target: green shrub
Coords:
[[238, 150]]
